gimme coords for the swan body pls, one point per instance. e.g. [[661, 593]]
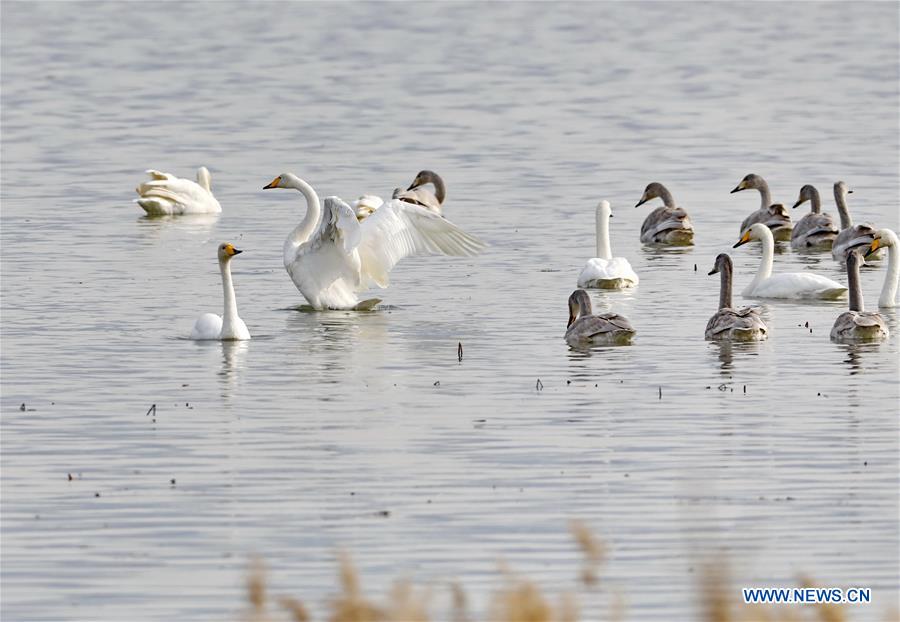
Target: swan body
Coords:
[[584, 328], [668, 224], [887, 238], [857, 324], [330, 255], [418, 194], [167, 195], [790, 285], [729, 324], [851, 237], [775, 217], [228, 326], [815, 230], [605, 271]]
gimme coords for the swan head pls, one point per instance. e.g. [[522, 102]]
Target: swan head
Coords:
[[842, 189], [579, 304], [227, 251], [424, 177], [806, 194], [285, 180], [654, 190], [604, 209], [750, 181], [882, 238], [757, 231], [723, 264]]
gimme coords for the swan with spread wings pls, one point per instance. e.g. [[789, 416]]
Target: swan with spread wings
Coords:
[[331, 256]]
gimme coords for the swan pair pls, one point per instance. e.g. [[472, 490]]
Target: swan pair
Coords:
[[792, 285], [817, 230], [331, 255], [167, 195]]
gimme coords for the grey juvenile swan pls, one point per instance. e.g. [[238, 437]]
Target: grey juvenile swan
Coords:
[[418, 194], [667, 224], [856, 324], [584, 328], [851, 236], [815, 230], [729, 324], [775, 217]]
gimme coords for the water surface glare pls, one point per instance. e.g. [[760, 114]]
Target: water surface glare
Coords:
[[363, 431]]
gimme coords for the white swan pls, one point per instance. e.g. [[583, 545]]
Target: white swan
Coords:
[[331, 255], [605, 271], [229, 326], [851, 237], [857, 324], [584, 328], [887, 238], [667, 224], [166, 194], [815, 229], [774, 216], [796, 285], [729, 324]]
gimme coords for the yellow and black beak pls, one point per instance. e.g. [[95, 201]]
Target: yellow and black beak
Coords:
[[873, 247], [273, 184], [739, 187], [744, 239], [231, 251]]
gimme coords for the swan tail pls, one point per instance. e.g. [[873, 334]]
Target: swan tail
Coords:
[[367, 305], [154, 206]]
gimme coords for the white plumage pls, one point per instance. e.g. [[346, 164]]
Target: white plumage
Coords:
[[793, 285], [166, 195], [605, 271], [228, 326], [331, 255]]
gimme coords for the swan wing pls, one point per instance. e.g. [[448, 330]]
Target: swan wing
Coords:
[[182, 192], [598, 269], [158, 175], [799, 285], [850, 238], [664, 219], [399, 229]]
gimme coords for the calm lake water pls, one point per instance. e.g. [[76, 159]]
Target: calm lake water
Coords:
[[364, 432]]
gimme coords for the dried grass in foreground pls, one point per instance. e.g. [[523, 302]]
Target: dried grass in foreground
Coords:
[[522, 600]]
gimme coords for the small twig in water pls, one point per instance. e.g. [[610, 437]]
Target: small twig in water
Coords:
[[151, 410], [459, 351], [538, 386], [660, 392]]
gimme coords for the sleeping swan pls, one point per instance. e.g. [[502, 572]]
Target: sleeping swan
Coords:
[[605, 271], [794, 285], [166, 195], [229, 326], [730, 324], [330, 255]]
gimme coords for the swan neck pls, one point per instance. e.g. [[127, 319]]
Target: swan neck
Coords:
[[603, 249], [768, 255], [229, 312], [440, 191], [765, 195], [856, 299], [892, 278], [841, 202], [725, 286], [304, 230], [666, 196], [816, 201], [203, 180]]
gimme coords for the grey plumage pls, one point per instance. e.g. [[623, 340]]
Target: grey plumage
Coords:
[[775, 217], [602, 329], [815, 229], [668, 224], [857, 324], [729, 324]]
